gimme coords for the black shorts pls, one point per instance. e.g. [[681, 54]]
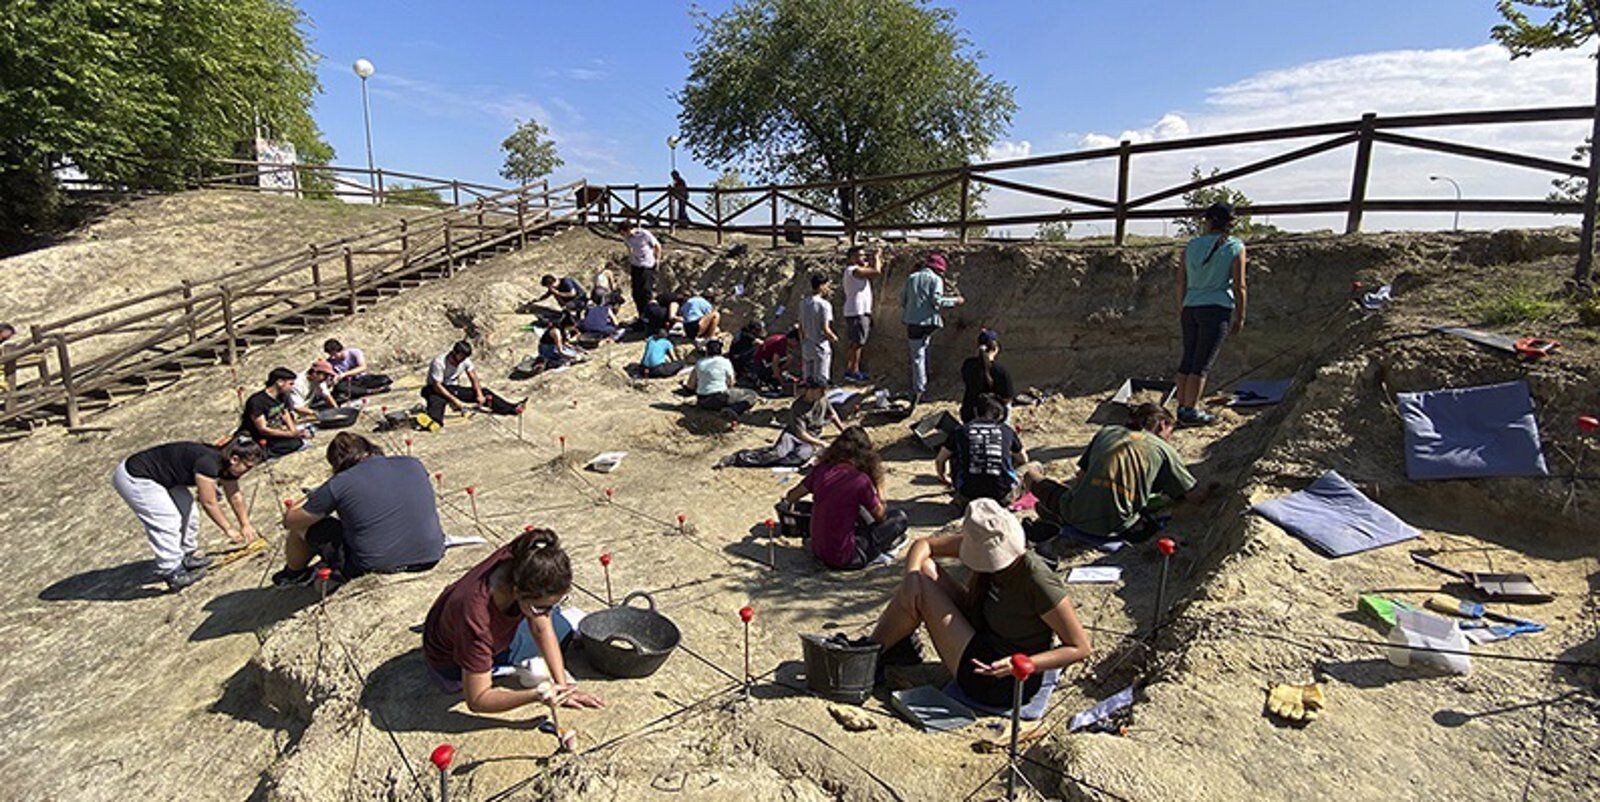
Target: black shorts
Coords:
[[858, 328], [1204, 329], [1053, 497], [991, 691]]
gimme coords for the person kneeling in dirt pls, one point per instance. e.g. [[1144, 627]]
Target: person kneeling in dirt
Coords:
[[155, 484], [657, 362], [809, 416], [985, 454], [352, 378], [742, 351], [444, 387], [712, 383], [386, 521], [1120, 475], [1012, 603], [772, 357], [567, 291], [599, 321], [558, 346], [851, 527], [268, 417], [471, 627], [701, 320]]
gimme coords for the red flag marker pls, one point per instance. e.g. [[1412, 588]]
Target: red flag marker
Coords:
[[438, 481], [605, 565], [441, 757], [681, 519], [772, 543], [610, 493], [563, 439], [1589, 424], [408, 446], [324, 574], [1021, 668], [746, 613], [472, 496], [1167, 548]]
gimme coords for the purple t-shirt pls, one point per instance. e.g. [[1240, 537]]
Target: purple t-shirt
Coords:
[[839, 493], [347, 361]]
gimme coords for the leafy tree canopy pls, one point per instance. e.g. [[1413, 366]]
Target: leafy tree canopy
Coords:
[[1199, 199], [136, 92], [530, 153], [824, 90], [400, 193], [1569, 24]]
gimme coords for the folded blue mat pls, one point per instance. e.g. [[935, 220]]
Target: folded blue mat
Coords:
[[1472, 432], [1259, 392], [1335, 518], [1032, 709]]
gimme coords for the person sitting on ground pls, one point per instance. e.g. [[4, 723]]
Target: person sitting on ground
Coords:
[[311, 391], [661, 312], [268, 418], [604, 290], [558, 346], [376, 515], [1011, 603], [984, 453], [599, 320], [700, 316], [1211, 305], [858, 275], [1120, 474], [984, 375], [713, 383], [471, 626], [816, 326], [155, 484], [772, 358], [742, 352], [809, 417], [445, 388], [657, 362], [851, 527], [352, 378], [566, 290]]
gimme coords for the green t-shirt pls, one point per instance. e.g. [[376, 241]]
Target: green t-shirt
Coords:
[[1122, 470], [1016, 598]]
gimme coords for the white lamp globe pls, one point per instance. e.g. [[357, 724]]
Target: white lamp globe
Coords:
[[363, 68]]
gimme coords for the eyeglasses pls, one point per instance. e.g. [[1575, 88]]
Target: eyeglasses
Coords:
[[537, 610]]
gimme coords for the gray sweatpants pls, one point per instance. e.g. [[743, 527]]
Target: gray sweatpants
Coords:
[[167, 513], [816, 360]]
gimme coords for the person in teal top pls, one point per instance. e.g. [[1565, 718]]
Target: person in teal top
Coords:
[[657, 361], [921, 300], [1211, 305]]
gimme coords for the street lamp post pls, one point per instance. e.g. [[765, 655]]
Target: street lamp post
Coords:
[[364, 70], [1457, 224], [672, 148]]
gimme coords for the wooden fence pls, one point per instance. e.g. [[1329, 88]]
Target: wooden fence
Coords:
[[137, 341], [318, 181], [722, 210]]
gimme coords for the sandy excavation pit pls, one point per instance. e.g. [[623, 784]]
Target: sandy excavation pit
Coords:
[[233, 689]]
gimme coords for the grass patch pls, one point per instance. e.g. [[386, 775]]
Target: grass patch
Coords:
[[1513, 305]]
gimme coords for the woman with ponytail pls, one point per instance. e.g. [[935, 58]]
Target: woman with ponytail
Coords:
[[1211, 305], [470, 629], [983, 375]]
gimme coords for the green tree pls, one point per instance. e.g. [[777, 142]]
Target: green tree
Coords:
[[728, 182], [403, 194], [1199, 199], [1572, 188], [530, 154], [138, 93], [1566, 25], [826, 90], [1055, 230]]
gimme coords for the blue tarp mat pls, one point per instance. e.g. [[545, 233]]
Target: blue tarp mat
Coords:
[[1259, 392], [1032, 709], [1335, 518], [1472, 432]]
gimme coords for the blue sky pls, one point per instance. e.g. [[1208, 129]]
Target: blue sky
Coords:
[[452, 77]]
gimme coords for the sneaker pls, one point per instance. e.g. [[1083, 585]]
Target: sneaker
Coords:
[[290, 578], [195, 560], [181, 577], [856, 376], [1189, 416]]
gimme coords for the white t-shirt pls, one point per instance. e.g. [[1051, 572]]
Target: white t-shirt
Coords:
[[602, 281], [714, 374], [443, 372], [300, 393], [857, 293], [641, 248]]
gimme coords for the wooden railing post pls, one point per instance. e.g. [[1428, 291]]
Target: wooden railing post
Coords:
[[638, 210], [850, 214], [381, 199], [36, 334], [544, 192], [227, 326], [449, 251], [350, 279], [405, 243], [10, 368], [1358, 183], [316, 271], [64, 364], [966, 197], [1124, 161], [188, 308], [455, 192], [716, 211], [522, 220], [772, 191], [294, 176]]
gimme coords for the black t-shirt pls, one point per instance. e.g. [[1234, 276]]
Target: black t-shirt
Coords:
[[386, 506], [176, 464], [260, 403], [997, 383], [982, 464], [657, 316], [569, 286]]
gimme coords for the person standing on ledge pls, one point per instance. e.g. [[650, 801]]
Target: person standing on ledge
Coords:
[[858, 276], [644, 251], [816, 329], [1211, 305], [921, 300]]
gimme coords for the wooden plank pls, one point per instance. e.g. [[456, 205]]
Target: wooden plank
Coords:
[[1487, 154], [1244, 170], [907, 201], [1358, 180], [1045, 192]]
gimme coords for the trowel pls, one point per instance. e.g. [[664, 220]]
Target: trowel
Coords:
[[1497, 587]]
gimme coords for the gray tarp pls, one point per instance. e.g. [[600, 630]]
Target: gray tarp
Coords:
[[1335, 518]]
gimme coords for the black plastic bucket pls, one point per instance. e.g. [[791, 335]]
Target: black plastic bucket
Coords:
[[837, 671]]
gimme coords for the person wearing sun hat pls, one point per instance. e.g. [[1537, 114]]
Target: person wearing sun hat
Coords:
[[921, 300], [1011, 602]]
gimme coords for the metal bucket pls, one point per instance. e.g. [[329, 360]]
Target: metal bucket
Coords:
[[838, 671], [628, 642]]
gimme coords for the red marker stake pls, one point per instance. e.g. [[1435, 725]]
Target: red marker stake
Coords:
[[324, 575], [441, 757], [563, 440], [519, 424], [680, 523], [1166, 546], [611, 494], [1021, 668], [472, 496], [605, 565], [408, 446], [745, 614], [1588, 424], [772, 543], [239, 391], [438, 482]]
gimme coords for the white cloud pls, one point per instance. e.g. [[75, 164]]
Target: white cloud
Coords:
[[1395, 82], [1004, 150]]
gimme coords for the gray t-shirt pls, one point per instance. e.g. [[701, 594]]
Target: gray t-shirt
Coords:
[[809, 416], [386, 506], [815, 312], [443, 372]]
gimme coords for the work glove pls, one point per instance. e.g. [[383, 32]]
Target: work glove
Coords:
[[1296, 702]]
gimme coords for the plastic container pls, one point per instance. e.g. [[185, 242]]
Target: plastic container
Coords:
[[1414, 629], [837, 671], [607, 462], [933, 430], [794, 520]]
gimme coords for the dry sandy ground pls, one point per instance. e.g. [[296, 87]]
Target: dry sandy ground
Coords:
[[233, 689]]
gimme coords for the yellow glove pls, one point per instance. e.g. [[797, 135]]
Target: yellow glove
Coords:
[[1296, 702]]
